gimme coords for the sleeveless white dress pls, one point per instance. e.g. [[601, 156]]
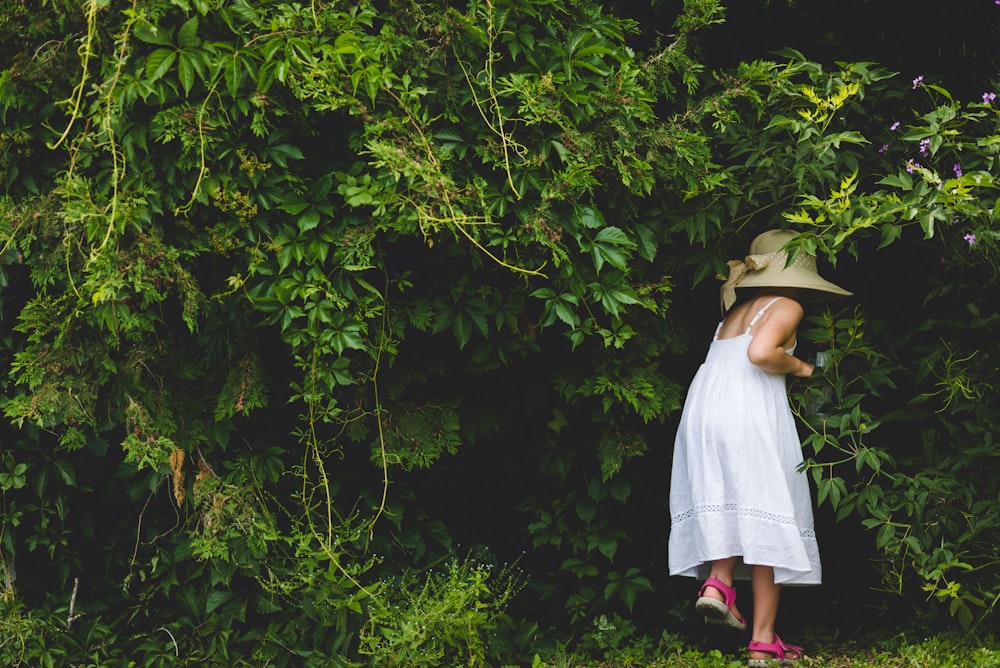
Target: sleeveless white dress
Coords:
[[735, 488]]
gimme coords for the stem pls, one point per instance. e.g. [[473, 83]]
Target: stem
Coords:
[[72, 604], [85, 52]]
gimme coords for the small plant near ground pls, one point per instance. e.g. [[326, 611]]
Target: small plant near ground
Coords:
[[441, 618]]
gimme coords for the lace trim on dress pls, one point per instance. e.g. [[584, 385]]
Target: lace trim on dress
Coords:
[[742, 512]]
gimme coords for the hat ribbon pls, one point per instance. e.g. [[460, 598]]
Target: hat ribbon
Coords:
[[738, 271]]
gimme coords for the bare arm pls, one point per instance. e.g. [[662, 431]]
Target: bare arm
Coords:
[[778, 326]]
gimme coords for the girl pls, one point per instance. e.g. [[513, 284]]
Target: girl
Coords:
[[739, 507]]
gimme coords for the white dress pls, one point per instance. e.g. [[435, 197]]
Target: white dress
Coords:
[[735, 488]]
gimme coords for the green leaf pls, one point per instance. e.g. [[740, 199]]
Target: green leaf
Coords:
[[586, 510], [308, 220], [479, 320], [620, 489], [185, 72], [588, 217], [159, 62], [293, 207], [281, 153], [889, 234], [611, 254], [614, 235], [596, 489], [939, 89], [885, 536], [608, 547], [847, 137], [566, 313], [901, 180], [66, 471], [187, 36], [648, 244], [233, 73], [214, 599], [146, 32]]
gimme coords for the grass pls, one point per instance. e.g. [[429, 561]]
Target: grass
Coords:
[[940, 651]]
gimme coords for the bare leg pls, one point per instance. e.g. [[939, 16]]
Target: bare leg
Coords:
[[766, 595], [723, 570]]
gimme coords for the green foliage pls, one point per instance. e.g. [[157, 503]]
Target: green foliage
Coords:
[[248, 250], [443, 617], [833, 405], [617, 645], [584, 530]]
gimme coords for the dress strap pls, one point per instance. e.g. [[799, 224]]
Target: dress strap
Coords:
[[717, 328], [760, 313]]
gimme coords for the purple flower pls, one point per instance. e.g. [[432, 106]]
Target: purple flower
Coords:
[[925, 144], [958, 166], [971, 238], [895, 126], [989, 96], [883, 148], [912, 166], [919, 81]]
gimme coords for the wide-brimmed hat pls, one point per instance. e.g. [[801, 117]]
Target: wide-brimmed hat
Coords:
[[767, 267]]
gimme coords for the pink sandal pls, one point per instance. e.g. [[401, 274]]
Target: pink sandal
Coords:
[[716, 611], [778, 648]]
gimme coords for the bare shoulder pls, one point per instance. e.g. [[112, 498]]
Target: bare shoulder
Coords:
[[787, 305], [787, 311]]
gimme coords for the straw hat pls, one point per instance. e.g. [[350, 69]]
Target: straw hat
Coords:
[[765, 267]]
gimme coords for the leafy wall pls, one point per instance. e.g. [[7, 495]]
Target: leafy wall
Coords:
[[269, 271]]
